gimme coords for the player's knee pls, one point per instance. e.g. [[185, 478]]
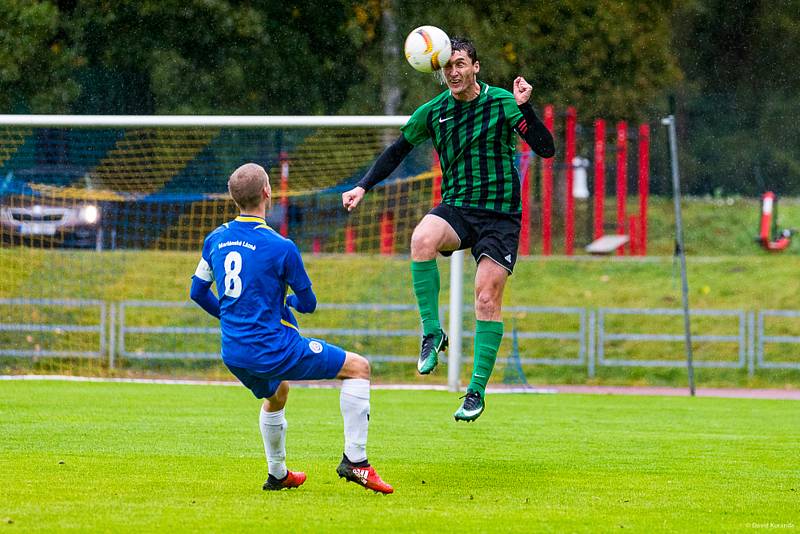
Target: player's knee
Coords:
[[423, 245], [278, 400], [360, 367], [486, 303], [364, 369], [355, 366]]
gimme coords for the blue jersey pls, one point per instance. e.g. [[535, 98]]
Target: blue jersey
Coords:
[[252, 266]]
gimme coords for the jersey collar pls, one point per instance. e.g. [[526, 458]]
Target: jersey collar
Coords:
[[250, 218], [260, 223], [484, 88]]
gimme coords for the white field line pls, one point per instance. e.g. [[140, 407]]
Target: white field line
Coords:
[[740, 393], [317, 384]]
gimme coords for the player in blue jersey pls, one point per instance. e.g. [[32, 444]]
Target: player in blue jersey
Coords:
[[253, 266]]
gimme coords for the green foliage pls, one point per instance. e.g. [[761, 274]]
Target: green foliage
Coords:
[[212, 56], [607, 58], [739, 108], [327, 56], [35, 59]]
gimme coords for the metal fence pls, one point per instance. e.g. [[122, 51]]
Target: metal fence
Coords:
[[763, 339], [593, 336], [29, 309], [604, 336]]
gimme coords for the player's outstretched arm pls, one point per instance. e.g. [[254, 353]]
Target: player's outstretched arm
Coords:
[[383, 167], [201, 293], [530, 127]]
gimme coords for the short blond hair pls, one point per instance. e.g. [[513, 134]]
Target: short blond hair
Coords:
[[245, 185]]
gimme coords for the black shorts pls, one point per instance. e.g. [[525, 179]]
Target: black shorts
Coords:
[[487, 233]]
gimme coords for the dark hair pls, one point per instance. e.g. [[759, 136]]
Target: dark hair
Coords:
[[465, 45]]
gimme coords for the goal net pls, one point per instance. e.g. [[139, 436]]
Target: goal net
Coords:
[[102, 221]]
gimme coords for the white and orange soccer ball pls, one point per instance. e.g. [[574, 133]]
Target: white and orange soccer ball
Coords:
[[428, 48]]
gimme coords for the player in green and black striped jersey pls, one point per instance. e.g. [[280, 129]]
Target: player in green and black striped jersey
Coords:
[[472, 126]]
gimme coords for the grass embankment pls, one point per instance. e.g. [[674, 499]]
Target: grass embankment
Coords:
[[742, 282]]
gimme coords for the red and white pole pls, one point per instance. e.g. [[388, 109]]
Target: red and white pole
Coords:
[[284, 159], [569, 226], [349, 239], [547, 189], [622, 178], [644, 185], [387, 233], [599, 176]]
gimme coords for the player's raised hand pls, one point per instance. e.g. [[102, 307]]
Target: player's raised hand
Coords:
[[522, 90], [350, 199]]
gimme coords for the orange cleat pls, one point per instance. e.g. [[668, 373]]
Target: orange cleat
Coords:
[[363, 476], [291, 480]]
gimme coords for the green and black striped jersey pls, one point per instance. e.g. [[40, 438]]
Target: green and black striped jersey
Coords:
[[476, 143]]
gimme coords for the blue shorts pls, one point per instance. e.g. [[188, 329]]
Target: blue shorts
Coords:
[[318, 360]]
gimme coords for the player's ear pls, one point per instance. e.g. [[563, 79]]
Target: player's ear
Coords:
[[477, 66]]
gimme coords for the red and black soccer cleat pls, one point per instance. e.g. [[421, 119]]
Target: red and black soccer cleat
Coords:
[[291, 480], [363, 476]]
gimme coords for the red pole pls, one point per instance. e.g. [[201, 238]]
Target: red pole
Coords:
[[317, 245], [644, 184], [599, 176], [633, 244], [349, 240], [622, 175], [525, 193], [437, 179], [569, 226], [547, 189], [387, 233], [284, 157]]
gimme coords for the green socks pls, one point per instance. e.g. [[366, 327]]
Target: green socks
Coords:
[[488, 335], [425, 275]]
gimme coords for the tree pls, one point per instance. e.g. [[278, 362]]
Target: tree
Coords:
[[35, 59], [740, 103], [606, 57], [211, 56]]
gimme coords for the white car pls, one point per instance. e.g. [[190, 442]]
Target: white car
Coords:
[[72, 224]]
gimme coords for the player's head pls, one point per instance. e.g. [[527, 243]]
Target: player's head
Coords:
[[249, 187], [460, 72]]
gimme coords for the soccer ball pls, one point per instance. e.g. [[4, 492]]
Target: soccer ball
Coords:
[[428, 48]]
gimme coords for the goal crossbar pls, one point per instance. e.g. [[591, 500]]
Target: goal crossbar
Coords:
[[204, 121]]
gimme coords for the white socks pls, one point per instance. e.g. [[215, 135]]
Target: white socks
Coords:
[[273, 431], [354, 403]]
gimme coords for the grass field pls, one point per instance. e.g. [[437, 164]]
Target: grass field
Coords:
[[155, 458]]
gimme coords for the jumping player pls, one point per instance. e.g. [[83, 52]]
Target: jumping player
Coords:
[[471, 125], [252, 267]]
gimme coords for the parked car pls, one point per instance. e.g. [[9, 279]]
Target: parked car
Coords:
[[27, 216]]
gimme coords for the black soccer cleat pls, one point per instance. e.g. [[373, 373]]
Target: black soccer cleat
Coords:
[[472, 408], [432, 345]]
